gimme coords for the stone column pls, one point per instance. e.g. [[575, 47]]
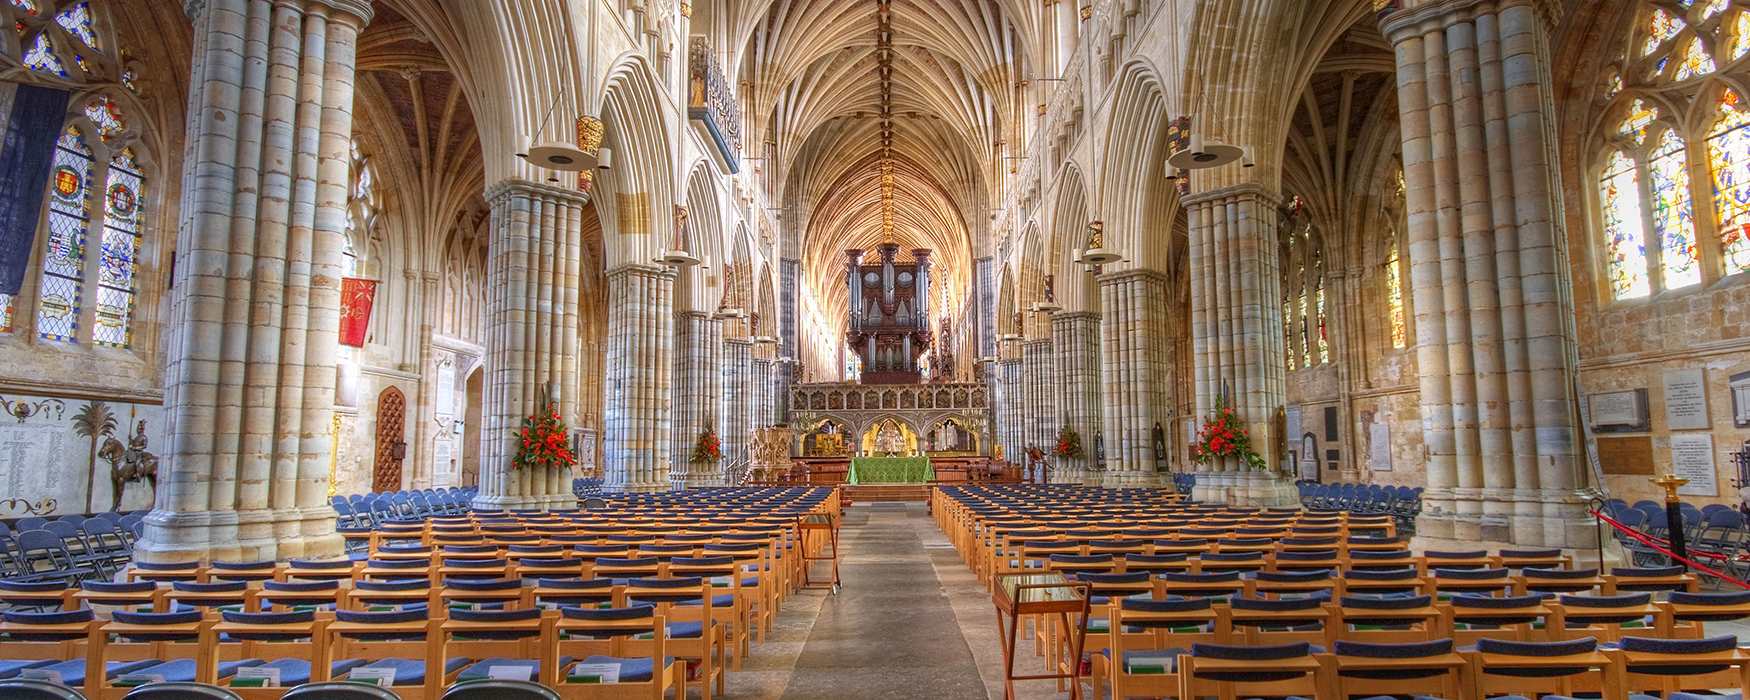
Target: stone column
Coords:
[[1236, 331], [531, 336], [255, 308], [1009, 412], [1075, 336], [1135, 369], [1039, 405], [697, 389], [761, 395], [638, 423], [735, 409], [1494, 315]]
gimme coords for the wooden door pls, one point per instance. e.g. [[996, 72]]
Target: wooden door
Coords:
[[391, 440]]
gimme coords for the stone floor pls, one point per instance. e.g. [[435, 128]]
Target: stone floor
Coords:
[[909, 621]]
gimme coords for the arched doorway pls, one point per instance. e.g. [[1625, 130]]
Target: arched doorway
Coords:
[[471, 430], [391, 440]]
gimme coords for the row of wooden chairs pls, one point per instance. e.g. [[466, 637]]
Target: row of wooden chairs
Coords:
[[1495, 667], [647, 639]]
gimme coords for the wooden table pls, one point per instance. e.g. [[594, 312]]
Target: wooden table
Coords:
[[1045, 593]]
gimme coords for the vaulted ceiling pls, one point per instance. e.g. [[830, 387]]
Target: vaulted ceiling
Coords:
[[843, 94]]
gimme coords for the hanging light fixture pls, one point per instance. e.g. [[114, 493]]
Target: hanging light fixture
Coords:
[[1096, 253], [1202, 154], [678, 256]]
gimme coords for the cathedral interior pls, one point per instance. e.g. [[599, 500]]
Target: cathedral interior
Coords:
[[1477, 268]]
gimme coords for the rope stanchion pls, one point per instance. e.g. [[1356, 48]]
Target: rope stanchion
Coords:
[[1657, 545]]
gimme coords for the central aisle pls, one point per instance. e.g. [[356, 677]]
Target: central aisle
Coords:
[[890, 632]]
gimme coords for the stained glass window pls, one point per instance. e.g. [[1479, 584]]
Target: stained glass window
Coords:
[[29, 6], [1640, 116], [1306, 359], [1322, 346], [1673, 215], [1613, 84], [1713, 7], [1661, 27], [1394, 297], [41, 57], [1741, 36], [1728, 153], [121, 249], [102, 111], [57, 311], [76, 19], [1696, 61], [1624, 234]]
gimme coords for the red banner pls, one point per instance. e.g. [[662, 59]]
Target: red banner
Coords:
[[356, 296]]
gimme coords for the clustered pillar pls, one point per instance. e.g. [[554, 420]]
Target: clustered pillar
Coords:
[[736, 406], [1494, 330], [1236, 335], [1075, 335], [1039, 394], [1009, 399], [1135, 365], [255, 307], [764, 394], [640, 355], [532, 336], [698, 386]]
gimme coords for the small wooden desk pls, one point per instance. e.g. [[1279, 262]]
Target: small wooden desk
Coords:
[[1041, 594]]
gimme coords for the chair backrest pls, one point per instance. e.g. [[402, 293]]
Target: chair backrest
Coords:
[[180, 691], [18, 689], [496, 689], [339, 690]]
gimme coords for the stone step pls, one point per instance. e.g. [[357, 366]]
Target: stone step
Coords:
[[868, 493]]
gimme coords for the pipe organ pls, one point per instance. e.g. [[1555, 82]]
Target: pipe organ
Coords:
[[889, 324]]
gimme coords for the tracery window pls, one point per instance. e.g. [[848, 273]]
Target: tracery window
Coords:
[[1394, 297], [1306, 339], [1663, 225]]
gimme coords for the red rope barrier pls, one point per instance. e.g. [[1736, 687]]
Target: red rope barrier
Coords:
[[1660, 548]]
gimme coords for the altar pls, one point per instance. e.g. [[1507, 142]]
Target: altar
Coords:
[[891, 470]]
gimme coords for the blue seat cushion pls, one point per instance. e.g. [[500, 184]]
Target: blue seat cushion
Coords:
[[480, 669], [412, 671], [1696, 696], [635, 669], [297, 671], [686, 630], [73, 672], [10, 668], [182, 670]]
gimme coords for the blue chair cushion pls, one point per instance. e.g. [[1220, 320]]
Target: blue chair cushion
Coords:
[[73, 672], [412, 671], [297, 671], [635, 669], [686, 630], [182, 670], [479, 670], [10, 668]]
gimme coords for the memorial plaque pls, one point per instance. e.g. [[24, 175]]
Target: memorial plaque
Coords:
[[1626, 455], [1619, 411], [1686, 399], [1692, 458], [1379, 446]]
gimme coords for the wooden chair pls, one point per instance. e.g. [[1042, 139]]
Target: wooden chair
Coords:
[[253, 571], [1535, 580], [1478, 581], [1601, 617], [407, 641], [1262, 622], [1667, 666], [600, 637], [1369, 669], [1531, 669], [138, 596], [1212, 585], [174, 646], [483, 594], [516, 640], [283, 641], [1250, 671], [57, 641], [1516, 559], [214, 594], [318, 570], [1472, 618], [1138, 660], [1685, 615], [1657, 579], [1400, 581], [1293, 583], [694, 632], [291, 595], [381, 596], [1383, 620]]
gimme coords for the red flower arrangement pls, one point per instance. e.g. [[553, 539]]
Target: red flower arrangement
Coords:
[[543, 441], [1225, 436], [708, 448], [1069, 444]]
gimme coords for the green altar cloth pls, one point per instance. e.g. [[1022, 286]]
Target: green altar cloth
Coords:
[[891, 470]]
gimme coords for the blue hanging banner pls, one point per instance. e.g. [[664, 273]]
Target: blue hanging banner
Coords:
[[30, 121]]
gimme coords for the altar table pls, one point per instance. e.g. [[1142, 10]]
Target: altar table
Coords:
[[891, 470]]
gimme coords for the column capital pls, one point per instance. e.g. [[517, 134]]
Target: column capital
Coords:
[[1037, 345], [1244, 191], [1143, 273], [639, 270], [738, 342], [358, 9], [1072, 316], [1429, 16], [194, 8], [517, 187]]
